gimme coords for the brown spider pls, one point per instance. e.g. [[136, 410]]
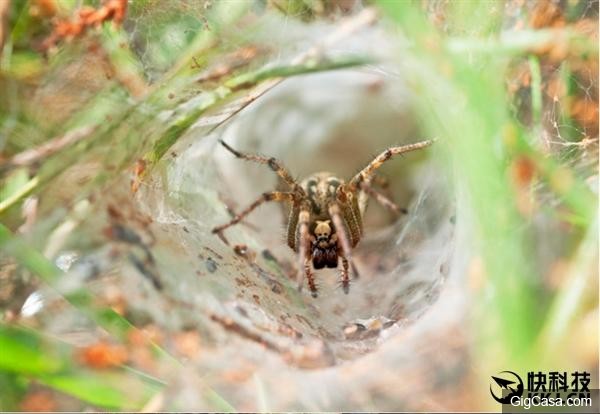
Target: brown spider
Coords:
[[325, 221]]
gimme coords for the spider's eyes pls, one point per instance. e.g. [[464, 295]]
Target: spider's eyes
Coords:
[[334, 182], [311, 185], [332, 185]]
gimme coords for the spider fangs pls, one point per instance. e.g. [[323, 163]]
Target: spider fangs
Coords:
[[325, 220]]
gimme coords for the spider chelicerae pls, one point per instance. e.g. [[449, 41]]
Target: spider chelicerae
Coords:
[[325, 222]]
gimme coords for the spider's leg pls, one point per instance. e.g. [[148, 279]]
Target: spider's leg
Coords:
[[304, 268], [273, 163], [341, 230], [382, 199], [350, 208], [269, 196], [310, 277], [345, 278], [382, 184], [381, 181], [366, 173]]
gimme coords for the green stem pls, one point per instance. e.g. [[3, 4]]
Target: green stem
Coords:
[[245, 81], [285, 71], [569, 301], [518, 42], [23, 192]]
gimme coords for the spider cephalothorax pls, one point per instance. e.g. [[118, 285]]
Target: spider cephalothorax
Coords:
[[325, 221]]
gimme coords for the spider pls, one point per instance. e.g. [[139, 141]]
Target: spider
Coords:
[[325, 221]]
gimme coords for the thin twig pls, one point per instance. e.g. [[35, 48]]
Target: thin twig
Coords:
[[28, 157]]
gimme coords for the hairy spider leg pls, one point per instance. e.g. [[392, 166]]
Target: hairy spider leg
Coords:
[[366, 173], [345, 278], [349, 205], [341, 230], [382, 199], [292, 226], [384, 184], [303, 250], [273, 163], [381, 181], [384, 188], [265, 197]]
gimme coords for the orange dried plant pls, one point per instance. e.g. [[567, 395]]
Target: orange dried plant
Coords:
[[85, 18]]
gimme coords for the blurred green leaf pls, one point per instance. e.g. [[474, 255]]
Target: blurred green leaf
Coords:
[[25, 65], [471, 139], [12, 389], [25, 353], [13, 184], [103, 389]]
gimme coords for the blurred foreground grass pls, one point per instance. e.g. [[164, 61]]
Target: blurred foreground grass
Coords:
[[499, 83]]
